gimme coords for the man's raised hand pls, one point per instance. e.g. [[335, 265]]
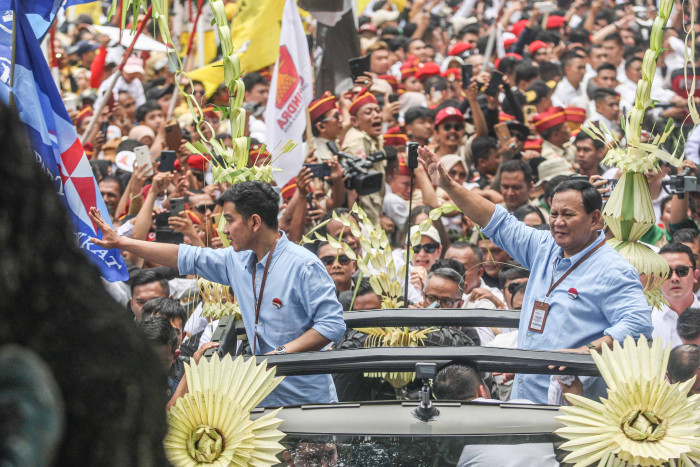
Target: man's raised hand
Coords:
[[432, 165], [110, 238]]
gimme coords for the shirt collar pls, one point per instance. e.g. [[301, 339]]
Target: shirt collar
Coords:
[[281, 246], [577, 256]]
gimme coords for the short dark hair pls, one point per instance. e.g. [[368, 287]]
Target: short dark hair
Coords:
[[582, 135], [688, 326], [674, 247], [438, 82], [254, 197], [159, 331], [457, 381], [510, 272], [591, 198], [251, 79], [112, 178], [147, 276], [630, 53], [166, 307], [552, 184], [415, 113], [601, 93], [686, 236], [526, 71], [482, 147], [478, 254], [615, 36], [148, 106], [364, 287], [548, 70], [448, 264], [449, 274], [128, 145], [526, 209], [517, 165], [683, 362], [606, 66]]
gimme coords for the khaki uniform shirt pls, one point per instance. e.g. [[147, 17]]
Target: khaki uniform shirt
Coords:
[[550, 151], [322, 152], [359, 144]]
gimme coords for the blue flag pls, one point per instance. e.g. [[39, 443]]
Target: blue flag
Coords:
[[54, 138]]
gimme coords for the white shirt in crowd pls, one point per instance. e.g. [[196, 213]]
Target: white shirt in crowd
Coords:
[[565, 93], [665, 321]]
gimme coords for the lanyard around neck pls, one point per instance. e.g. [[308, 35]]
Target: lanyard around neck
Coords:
[[262, 289], [553, 285]]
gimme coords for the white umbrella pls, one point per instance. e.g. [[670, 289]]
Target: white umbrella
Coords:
[[143, 42]]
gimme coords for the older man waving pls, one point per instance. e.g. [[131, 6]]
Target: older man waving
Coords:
[[581, 295]]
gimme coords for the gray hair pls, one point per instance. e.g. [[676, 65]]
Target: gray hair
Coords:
[[450, 275]]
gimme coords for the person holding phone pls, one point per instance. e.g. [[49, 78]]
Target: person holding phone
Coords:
[[326, 125]]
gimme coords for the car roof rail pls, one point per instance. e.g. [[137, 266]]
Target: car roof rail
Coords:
[[432, 317]]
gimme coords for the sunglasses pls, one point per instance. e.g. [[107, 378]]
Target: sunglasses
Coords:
[[429, 248], [513, 286], [335, 116], [681, 271], [452, 126], [445, 302], [202, 208], [330, 260]]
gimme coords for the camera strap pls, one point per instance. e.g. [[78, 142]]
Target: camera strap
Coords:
[[258, 299]]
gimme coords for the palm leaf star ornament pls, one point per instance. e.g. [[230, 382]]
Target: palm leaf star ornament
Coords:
[[211, 424], [644, 420]]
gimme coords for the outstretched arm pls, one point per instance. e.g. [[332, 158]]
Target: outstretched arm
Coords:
[[161, 253], [474, 206]]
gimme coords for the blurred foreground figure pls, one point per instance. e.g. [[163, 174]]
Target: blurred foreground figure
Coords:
[[54, 304]]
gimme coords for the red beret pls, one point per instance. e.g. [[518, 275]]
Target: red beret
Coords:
[[509, 54], [534, 144], [403, 167], [504, 117], [288, 190], [555, 22], [452, 74], [518, 27], [459, 48], [197, 162], [408, 71], [366, 98], [394, 130], [395, 140], [368, 27], [85, 112], [535, 46], [508, 42], [320, 106], [391, 79], [427, 70], [550, 118], [254, 155], [452, 113], [575, 114]]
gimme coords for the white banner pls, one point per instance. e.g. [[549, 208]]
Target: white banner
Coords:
[[291, 92]]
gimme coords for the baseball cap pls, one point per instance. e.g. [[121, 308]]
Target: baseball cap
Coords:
[[431, 233]]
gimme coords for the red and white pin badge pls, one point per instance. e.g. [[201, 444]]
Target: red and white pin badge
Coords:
[[573, 293], [276, 302]]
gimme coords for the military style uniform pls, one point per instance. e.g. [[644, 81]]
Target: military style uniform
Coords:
[[359, 144], [322, 152], [550, 151]]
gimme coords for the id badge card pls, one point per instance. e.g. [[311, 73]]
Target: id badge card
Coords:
[[539, 316]]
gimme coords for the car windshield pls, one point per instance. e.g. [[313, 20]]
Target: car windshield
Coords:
[[387, 451]]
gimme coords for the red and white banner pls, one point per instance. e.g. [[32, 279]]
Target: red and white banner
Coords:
[[291, 92]]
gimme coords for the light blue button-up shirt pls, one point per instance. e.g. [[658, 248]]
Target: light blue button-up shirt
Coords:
[[609, 299], [307, 293]]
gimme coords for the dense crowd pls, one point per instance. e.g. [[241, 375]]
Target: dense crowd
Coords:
[[510, 131]]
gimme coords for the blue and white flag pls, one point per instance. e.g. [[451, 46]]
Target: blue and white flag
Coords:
[[54, 139]]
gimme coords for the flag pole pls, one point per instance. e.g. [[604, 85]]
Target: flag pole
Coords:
[[103, 101], [12, 103]]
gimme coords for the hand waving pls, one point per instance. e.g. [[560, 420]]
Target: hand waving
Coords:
[[110, 238], [432, 165]]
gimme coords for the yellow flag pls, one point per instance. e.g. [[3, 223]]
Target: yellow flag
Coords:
[[255, 33]]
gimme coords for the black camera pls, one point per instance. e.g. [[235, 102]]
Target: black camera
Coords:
[[359, 176], [164, 234], [681, 183]]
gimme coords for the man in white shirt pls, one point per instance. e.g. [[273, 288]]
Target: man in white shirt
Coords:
[[570, 87], [607, 110], [628, 87], [678, 292]]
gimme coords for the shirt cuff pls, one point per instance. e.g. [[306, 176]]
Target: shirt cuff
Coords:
[[498, 215], [185, 259]]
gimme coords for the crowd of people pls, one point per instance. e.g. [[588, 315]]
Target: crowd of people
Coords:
[[494, 97]]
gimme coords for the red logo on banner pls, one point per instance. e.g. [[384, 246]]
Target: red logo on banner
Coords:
[[287, 78]]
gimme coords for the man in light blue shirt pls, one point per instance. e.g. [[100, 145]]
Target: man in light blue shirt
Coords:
[[298, 310], [599, 301]]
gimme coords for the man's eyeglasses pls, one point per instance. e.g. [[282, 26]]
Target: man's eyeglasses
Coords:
[[681, 271], [445, 302], [335, 116], [428, 247], [452, 126], [330, 260], [202, 208]]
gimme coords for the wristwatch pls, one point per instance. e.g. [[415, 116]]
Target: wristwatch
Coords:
[[281, 350]]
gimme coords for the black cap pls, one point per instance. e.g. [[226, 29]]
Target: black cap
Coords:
[[83, 47], [156, 92]]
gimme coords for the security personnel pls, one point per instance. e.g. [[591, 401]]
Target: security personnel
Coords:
[[552, 126], [363, 139], [326, 125]]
